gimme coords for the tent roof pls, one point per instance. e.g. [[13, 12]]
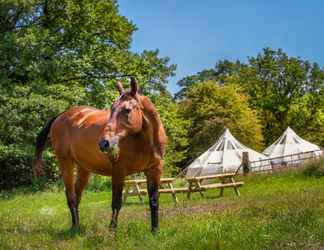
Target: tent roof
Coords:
[[225, 155], [289, 143]]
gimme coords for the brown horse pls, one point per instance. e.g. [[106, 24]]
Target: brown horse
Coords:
[[127, 139]]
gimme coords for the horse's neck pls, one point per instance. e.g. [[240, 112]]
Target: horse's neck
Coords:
[[151, 137], [158, 137]]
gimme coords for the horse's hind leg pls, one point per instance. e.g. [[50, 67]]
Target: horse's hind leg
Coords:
[[67, 168], [80, 184]]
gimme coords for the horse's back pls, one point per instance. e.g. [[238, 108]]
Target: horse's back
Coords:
[[75, 134], [79, 118]]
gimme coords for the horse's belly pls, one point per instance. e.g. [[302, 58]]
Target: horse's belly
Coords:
[[102, 167]]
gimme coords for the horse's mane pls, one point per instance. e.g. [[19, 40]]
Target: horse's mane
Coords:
[[160, 138]]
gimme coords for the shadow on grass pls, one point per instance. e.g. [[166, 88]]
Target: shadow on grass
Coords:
[[135, 203]]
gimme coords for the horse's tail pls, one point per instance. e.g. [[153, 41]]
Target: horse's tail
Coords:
[[41, 142]]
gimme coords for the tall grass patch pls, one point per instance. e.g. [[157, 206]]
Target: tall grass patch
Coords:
[[314, 168]]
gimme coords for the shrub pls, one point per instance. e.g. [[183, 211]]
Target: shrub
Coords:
[[16, 167], [14, 170]]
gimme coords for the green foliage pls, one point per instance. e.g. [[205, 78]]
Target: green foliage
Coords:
[[25, 110], [308, 112], [13, 166], [64, 40], [210, 107], [222, 70], [99, 183]]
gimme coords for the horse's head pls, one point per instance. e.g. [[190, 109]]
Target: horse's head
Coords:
[[126, 118]]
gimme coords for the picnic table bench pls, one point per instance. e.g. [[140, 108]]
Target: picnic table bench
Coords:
[[135, 188], [226, 180]]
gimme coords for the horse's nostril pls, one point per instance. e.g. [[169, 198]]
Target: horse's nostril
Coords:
[[104, 145]]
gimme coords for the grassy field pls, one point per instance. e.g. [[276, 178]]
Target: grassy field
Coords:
[[274, 212]]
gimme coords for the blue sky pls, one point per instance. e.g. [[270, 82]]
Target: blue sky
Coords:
[[196, 34]]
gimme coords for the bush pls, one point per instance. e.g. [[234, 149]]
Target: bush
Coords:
[[16, 167], [314, 168]]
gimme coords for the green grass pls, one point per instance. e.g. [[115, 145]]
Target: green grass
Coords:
[[274, 212]]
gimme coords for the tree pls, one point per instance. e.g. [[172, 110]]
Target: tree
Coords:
[[307, 116], [275, 81], [210, 107], [72, 42], [219, 73], [278, 86]]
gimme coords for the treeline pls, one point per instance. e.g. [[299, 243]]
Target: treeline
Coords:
[[257, 100], [61, 53]]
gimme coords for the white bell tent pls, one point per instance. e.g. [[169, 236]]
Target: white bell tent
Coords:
[[289, 147], [225, 156]]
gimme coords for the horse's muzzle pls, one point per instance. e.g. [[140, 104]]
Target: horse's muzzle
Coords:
[[104, 145]]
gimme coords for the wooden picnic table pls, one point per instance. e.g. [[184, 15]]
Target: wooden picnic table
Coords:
[[135, 188], [195, 184], [226, 180]]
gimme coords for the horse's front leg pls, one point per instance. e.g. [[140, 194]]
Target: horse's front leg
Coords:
[[116, 202], [153, 183]]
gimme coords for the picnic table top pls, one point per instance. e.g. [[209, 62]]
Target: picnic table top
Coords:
[[162, 180], [197, 178], [206, 177]]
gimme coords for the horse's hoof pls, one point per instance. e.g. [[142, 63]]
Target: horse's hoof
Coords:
[[112, 226], [154, 230], [75, 228]]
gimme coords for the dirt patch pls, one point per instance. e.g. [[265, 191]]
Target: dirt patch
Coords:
[[180, 209]]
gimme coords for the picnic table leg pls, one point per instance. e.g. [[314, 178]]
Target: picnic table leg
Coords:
[[221, 193], [237, 191], [189, 190], [139, 193], [199, 186], [173, 193], [235, 187]]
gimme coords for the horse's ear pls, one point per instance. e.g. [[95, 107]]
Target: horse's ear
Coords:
[[119, 86], [133, 84]]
